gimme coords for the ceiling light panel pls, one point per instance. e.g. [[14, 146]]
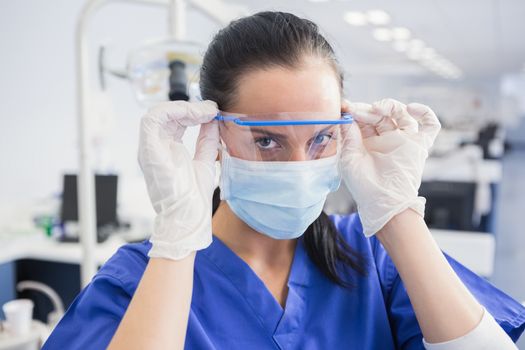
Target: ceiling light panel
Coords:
[[378, 17], [403, 41], [355, 18]]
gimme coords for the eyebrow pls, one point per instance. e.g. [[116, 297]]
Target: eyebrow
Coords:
[[266, 132]]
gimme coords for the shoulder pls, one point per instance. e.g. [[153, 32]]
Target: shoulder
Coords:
[[127, 265]]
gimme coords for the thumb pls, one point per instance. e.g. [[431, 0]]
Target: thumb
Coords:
[[352, 138], [353, 149], [207, 142]]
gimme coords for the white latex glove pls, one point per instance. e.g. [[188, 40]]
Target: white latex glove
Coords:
[[383, 157], [180, 188]]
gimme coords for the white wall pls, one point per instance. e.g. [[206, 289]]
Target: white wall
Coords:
[[38, 95]]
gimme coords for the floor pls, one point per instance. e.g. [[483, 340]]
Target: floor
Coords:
[[509, 273]]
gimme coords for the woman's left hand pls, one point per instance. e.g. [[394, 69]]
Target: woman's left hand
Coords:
[[383, 156]]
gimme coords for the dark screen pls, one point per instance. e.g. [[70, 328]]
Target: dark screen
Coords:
[[106, 199], [449, 205]]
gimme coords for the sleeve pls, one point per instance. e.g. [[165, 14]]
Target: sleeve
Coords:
[[508, 313], [93, 317], [487, 335]]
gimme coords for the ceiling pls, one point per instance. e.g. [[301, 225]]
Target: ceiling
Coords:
[[484, 38]]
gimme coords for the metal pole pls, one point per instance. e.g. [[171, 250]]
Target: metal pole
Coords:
[[177, 19], [86, 182], [86, 189]]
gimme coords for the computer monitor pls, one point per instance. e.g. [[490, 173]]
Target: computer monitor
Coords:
[[485, 137], [105, 199], [450, 205]]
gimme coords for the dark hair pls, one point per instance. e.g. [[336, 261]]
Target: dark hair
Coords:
[[269, 39], [263, 40]]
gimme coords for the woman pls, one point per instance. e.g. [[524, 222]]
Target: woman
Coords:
[[277, 273]]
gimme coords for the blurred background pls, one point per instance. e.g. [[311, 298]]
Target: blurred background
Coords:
[[465, 59]]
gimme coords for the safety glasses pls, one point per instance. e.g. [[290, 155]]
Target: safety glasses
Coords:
[[284, 137]]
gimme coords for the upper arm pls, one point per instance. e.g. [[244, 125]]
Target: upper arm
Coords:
[[93, 317]]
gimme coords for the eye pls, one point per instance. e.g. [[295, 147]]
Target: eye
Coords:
[[321, 140], [266, 143]]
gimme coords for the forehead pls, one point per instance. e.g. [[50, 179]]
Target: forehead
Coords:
[[312, 86]]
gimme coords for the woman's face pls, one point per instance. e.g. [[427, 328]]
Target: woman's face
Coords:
[[311, 91]]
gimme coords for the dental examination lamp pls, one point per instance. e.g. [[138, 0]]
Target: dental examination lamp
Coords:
[[160, 70], [157, 71]]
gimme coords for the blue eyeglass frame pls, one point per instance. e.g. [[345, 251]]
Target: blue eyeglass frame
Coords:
[[346, 118]]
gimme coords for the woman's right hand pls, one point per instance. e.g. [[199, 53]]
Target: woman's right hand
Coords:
[[180, 188]]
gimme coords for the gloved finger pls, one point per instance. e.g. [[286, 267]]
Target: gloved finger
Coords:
[[429, 124], [345, 106], [153, 149], [207, 142], [351, 133], [387, 142], [185, 113], [398, 112], [386, 124], [367, 130], [353, 149], [363, 113], [170, 119], [162, 161], [176, 177], [205, 156], [352, 139], [205, 179]]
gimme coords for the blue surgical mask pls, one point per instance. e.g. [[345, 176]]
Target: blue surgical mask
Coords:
[[278, 199]]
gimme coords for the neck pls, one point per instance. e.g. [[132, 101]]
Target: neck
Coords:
[[253, 247]]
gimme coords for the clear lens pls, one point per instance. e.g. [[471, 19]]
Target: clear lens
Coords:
[[271, 137]]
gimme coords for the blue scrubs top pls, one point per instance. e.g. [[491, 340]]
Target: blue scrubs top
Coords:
[[232, 309]]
